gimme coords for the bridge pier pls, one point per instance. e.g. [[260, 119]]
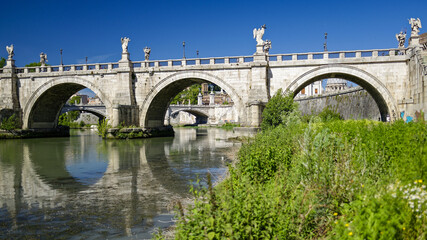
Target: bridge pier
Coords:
[[9, 97]]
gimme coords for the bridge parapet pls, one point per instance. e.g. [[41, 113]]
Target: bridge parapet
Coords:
[[375, 55]]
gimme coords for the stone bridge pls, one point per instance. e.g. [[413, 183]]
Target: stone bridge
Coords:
[[139, 92], [97, 110]]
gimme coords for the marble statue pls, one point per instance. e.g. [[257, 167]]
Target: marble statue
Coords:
[[415, 26], [9, 50], [125, 43], [147, 52], [267, 46], [258, 33], [401, 37], [43, 58]]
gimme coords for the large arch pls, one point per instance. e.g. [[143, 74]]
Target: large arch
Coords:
[[44, 105], [379, 92], [155, 105]]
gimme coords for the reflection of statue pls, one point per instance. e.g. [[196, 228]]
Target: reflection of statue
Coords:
[[415, 26], [43, 58], [147, 52], [9, 50], [258, 33], [401, 37], [267, 46], [125, 43]]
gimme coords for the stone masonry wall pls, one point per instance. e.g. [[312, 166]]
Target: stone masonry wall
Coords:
[[357, 104]]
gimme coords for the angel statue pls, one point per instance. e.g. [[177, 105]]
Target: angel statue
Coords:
[[125, 43], [415, 26], [258, 33], [401, 37], [43, 58], [9, 50], [147, 52]]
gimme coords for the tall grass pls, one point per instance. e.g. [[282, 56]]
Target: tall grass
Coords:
[[354, 179]]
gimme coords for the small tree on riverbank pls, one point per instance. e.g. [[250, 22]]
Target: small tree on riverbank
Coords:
[[10, 123], [282, 103]]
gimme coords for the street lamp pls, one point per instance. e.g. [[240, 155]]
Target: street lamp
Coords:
[[86, 60], [197, 52], [325, 46], [60, 50], [183, 46]]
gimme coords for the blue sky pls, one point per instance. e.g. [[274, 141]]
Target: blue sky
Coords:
[[215, 28]]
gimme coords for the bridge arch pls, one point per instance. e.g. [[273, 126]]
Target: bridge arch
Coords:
[[379, 92], [43, 106], [201, 117], [155, 105], [87, 109]]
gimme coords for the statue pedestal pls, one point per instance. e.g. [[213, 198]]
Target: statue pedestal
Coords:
[[414, 41], [125, 61], [259, 48], [10, 63]]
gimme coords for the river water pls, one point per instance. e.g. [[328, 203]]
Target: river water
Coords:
[[83, 187]]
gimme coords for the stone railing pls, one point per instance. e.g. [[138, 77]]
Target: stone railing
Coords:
[[293, 57], [336, 55]]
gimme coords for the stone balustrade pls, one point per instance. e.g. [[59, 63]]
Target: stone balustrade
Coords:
[[277, 58]]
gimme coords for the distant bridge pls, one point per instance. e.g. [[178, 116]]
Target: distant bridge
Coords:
[[209, 114], [139, 92]]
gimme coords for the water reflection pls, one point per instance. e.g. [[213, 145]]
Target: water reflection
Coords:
[[84, 187]]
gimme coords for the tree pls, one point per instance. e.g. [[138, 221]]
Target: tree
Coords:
[[10, 123], [278, 106], [74, 100], [2, 62], [34, 64], [189, 93]]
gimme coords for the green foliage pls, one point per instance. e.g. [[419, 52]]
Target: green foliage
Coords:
[[2, 62], [229, 126], [103, 127], [69, 118], [190, 93], [74, 100], [279, 106], [309, 180], [10, 123], [328, 114], [35, 64]]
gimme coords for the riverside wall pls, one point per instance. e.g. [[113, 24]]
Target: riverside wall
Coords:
[[351, 104]]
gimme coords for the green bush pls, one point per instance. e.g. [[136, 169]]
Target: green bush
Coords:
[[309, 180], [10, 123], [103, 127], [279, 105]]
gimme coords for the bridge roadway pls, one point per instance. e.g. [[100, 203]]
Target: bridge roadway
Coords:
[[138, 92]]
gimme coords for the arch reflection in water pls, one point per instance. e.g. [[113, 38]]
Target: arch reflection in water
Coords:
[[83, 186]]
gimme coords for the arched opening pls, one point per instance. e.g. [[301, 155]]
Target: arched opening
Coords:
[[380, 94], [43, 108], [156, 104], [188, 117]]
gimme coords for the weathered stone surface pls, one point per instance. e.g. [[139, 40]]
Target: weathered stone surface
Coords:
[[138, 93], [351, 104]]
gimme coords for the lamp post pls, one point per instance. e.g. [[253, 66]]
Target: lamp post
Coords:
[[183, 46], [197, 52], [86, 60], [325, 46], [60, 50]]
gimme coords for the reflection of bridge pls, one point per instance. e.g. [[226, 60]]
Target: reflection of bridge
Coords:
[[139, 92], [143, 172]]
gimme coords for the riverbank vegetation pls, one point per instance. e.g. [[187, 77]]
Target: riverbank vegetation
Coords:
[[320, 177]]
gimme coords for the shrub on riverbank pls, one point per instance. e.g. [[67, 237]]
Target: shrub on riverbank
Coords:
[[337, 180]]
